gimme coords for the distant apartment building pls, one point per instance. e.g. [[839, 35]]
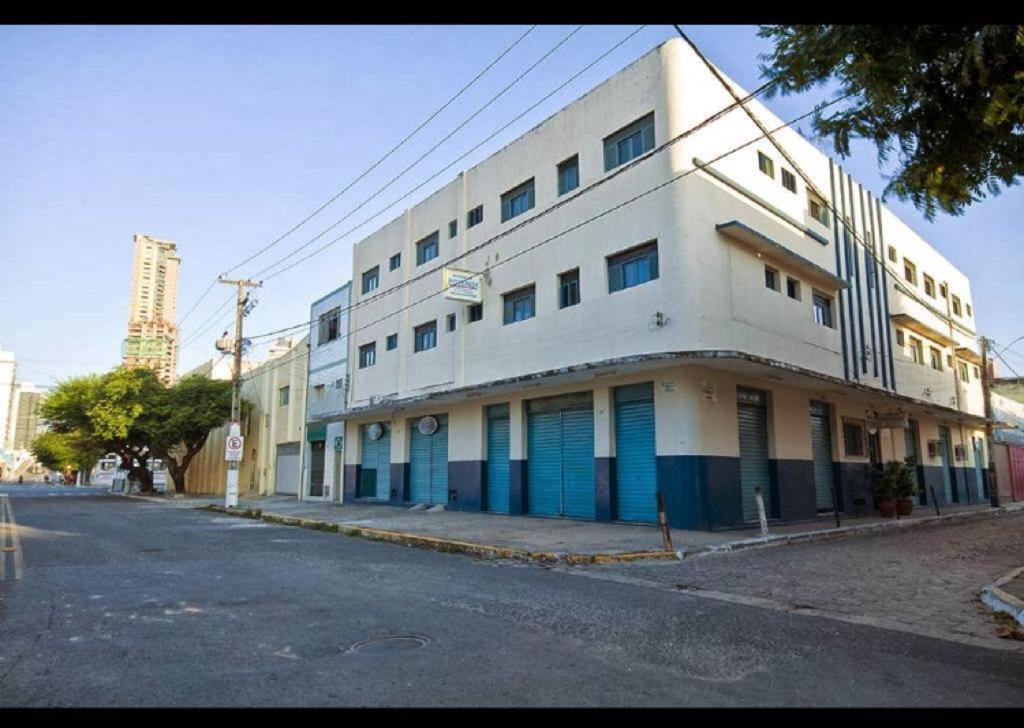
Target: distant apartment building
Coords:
[[692, 321], [325, 396], [8, 403], [26, 417], [152, 340]]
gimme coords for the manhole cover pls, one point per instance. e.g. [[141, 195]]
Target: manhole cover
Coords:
[[390, 645]]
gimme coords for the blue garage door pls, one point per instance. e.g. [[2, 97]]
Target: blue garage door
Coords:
[[560, 451], [947, 461], [375, 481], [752, 417], [636, 482], [428, 463], [497, 458], [821, 451]]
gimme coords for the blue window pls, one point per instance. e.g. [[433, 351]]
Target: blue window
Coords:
[[371, 279], [475, 216], [629, 142], [476, 312], [426, 249], [569, 288], [395, 262], [822, 309], [367, 355], [453, 228], [451, 322], [517, 200], [425, 336], [519, 305], [633, 267], [569, 175], [392, 342]]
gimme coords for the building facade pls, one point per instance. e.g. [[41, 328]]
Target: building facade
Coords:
[[274, 431], [690, 319], [27, 424], [8, 402], [152, 340], [325, 396]]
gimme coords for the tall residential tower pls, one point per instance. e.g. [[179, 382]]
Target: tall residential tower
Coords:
[[152, 336]]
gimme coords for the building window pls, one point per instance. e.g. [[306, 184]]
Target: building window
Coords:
[[629, 142], [392, 342], [367, 355], [853, 438], [964, 375], [633, 267], [899, 338], [789, 180], [765, 164], [816, 209], [892, 253], [943, 290], [822, 306], [569, 175], [569, 288], [519, 305], [282, 396], [956, 306], [977, 373], [969, 312], [451, 322], [517, 200], [476, 312], [909, 272], [936, 358], [426, 249], [328, 327], [318, 392], [916, 351], [371, 279], [453, 228], [793, 288], [771, 278], [929, 285], [395, 261], [425, 336], [475, 216]]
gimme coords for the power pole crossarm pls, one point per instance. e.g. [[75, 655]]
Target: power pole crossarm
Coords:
[[231, 489]]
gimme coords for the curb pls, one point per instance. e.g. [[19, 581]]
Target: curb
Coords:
[[490, 551], [1003, 601]]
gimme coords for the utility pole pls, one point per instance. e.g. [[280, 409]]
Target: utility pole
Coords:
[[234, 430], [993, 486]]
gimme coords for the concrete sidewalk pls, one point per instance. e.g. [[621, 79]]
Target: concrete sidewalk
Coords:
[[556, 539]]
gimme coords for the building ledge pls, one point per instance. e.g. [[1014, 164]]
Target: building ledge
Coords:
[[920, 327], [968, 355], [774, 251]]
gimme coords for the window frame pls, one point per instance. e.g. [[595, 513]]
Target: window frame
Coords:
[[765, 164], [418, 336], [391, 342], [469, 216], [570, 286], [894, 256], [788, 180], [284, 395], [793, 289], [771, 278], [917, 350], [450, 322], [424, 244], [368, 355], [935, 358], [395, 261], [525, 191], [861, 440], [572, 163], [954, 303], [645, 251], [643, 128], [453, 228], [817, 299], [822, 216], [509, 301], [909, 271], [371, 276], [324, 326], [475, 313], [929, 284]]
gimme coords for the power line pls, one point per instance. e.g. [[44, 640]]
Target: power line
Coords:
[[593, 218], [450, 164], [365, 172], [420, 158], [543, 213]]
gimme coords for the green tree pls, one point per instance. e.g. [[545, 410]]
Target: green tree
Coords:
[[188, 411], [108, 413], [948, 98], [63, 453]]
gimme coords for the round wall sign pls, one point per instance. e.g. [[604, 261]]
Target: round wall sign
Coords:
[[375, 431], [428, 425]]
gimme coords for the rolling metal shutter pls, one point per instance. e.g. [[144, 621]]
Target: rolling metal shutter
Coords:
[[979, 473], [560, 448], [752, 417], [316, 468], [821, 451], [384, 464], [428, 463], [947, 483], [498, 458], [287, 469], [376, 466], [635, 463], [910, 446]]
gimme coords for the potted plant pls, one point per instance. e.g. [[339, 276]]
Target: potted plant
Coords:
[[884, 490], [906, 487]]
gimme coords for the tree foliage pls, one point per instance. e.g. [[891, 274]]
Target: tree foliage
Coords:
[[948, 99], [64, 453]]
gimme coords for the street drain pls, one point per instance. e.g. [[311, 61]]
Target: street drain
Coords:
[[390, 645], [150, 551]]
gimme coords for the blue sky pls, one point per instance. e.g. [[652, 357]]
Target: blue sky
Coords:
[[222, 138]]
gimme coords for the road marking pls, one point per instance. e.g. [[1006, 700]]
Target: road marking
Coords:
[[9, 532]]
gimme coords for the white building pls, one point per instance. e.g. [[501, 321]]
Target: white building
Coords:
[[325, 396], [152, 340], [8, 404], [698, 337]]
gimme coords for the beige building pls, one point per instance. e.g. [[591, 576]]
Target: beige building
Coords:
[[691, 320], [152, 340], [274, 431], [8, 396]]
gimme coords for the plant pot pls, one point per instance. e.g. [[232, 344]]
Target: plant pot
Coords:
[[906, 506], [887, 508]]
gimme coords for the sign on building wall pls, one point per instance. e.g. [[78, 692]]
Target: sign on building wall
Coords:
[[463, 285]]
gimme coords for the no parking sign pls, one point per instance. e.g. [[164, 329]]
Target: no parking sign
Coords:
[[233, 447]]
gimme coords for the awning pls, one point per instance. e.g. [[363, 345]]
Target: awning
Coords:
[[968, 354], [767, 248], [920, 327]]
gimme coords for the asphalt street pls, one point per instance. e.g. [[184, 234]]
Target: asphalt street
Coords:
[[120, 602]]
